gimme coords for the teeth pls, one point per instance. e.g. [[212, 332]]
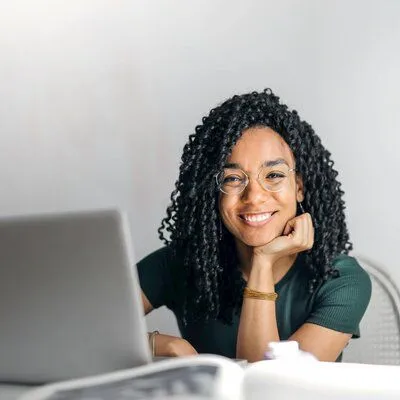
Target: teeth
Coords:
[[257, 217]]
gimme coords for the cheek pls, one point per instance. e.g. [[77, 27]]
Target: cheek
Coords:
[[288, 197], [290, 204], [292, 212], [226, 206]]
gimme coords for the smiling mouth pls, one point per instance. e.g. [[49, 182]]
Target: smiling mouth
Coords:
[[257, 218]]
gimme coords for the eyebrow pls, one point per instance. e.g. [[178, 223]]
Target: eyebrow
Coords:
[[270, 163]]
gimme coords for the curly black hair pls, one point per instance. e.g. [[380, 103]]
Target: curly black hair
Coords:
[[212, 282]]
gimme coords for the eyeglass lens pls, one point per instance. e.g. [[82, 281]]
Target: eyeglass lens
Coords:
[[233, 181]]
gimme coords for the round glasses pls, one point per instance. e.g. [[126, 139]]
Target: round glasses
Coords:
[[273, 179]]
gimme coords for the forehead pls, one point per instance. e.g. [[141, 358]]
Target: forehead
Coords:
[[258, 145]]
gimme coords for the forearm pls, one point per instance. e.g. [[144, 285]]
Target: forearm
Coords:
[[171, 346], [257, 326], [162, 343]]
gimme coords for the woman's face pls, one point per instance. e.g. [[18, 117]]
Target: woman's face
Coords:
[[256, 216]]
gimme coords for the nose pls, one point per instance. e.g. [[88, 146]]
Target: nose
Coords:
[[254, 193]]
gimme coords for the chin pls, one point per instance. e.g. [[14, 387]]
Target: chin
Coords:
[[258, 241]]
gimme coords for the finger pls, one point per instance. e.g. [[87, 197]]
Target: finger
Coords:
[[310, 233], [301, 232], [304, 232], [306, 229], [297, 230], [289, 227]]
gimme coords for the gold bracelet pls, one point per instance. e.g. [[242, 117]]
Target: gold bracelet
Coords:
[[255, 294], [152, 342]]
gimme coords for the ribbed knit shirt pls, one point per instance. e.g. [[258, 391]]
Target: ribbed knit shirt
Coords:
[[338, 303]]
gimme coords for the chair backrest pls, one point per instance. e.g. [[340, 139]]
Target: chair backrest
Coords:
[[380, 327]]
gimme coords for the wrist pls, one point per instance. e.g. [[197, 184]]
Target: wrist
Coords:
[[262, 263], [261, 277], [172, 346], [161, 345], [152, 342]]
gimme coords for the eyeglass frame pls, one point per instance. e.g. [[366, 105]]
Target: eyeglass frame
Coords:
[[248, 180]]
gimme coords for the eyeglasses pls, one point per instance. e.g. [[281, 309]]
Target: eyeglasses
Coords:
[[273, 179]]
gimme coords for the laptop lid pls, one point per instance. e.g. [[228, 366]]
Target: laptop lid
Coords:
[[70, 302]]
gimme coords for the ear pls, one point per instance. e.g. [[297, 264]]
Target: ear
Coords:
[[299, 188]]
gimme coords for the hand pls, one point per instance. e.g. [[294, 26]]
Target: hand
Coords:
[[172, 346], [297, 236]]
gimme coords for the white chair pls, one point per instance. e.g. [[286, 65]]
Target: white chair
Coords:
[[380, 327]]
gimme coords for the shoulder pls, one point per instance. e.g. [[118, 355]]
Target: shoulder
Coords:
[[352, 283], [341, 301], [350, 270], [162, 263], [164, 255], [157, 275]]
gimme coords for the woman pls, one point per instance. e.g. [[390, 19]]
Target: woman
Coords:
[[256, 240]]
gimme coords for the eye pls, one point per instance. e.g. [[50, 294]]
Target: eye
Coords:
[[275, 175], [232, 179]]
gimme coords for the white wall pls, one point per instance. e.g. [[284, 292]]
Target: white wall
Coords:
[[98, 97]]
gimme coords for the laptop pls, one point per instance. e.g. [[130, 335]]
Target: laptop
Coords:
[[70, 302]]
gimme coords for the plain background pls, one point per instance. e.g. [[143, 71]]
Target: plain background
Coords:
[[97, 99]]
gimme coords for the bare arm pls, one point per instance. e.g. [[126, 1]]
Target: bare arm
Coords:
[[147, 307], [258, 325], [166, 345], [325, 344]]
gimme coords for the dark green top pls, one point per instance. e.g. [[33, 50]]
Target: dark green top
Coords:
[[338, 304]]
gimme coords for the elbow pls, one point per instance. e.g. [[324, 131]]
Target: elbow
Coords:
[[251, 355]]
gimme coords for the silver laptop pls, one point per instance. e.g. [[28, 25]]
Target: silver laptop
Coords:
[[70, 302]]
